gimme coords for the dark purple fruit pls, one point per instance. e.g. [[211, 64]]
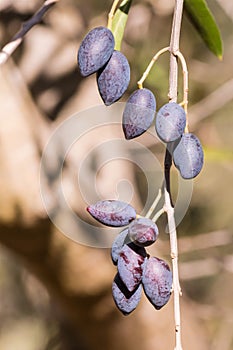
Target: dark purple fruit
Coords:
[[125, 301], [170, 122], [143, 232], [139, 113], [112, 212], [157, 281], [130, 265], [95, 50], [113, 79], [188, 156], [121, 239]]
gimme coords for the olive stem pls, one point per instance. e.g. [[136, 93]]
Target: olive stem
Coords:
[[154, 204], [173, 83], [184, 103], [149, 67], [111, 13], [10, 47], [158, 214]]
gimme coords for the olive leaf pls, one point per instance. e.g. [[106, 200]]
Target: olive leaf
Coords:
[[119, 22], [204, 22]]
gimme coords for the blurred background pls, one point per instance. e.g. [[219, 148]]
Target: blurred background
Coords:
[[56, 293]]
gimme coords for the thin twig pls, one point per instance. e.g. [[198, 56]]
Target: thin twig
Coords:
[[173, 82], [185, 86], [158, 214], [9, 48], [147, 71], [154, 204], [112, 12]]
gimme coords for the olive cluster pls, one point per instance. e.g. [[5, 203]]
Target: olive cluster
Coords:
[[136, 270], [170, 126], [96, 54], [187, 151]]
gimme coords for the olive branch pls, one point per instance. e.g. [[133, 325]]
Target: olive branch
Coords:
[[17, 39]]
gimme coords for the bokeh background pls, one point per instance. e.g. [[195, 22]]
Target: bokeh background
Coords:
[[56, 293]]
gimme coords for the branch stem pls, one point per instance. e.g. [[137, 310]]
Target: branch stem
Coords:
[[10, 47], [174, 48], [173, 83], [174, 256]]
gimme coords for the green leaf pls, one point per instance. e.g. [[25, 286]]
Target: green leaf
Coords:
[[203, 20], [119, 22]]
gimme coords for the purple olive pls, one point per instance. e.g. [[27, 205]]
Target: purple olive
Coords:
[[143, 232], [130, 265], [139, 113], [125, 301], [120, 240], [112, 212], [188, 156], [113, 79], [170, 122], [157, 281], [95, 50]]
